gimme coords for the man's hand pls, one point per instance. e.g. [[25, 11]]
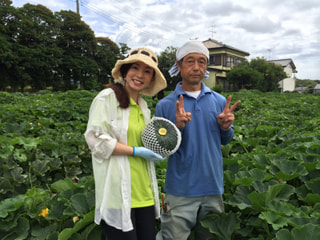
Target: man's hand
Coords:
[[226, 118], [182, 117]]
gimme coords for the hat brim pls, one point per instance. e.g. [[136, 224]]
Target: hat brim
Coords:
[[158, 84]]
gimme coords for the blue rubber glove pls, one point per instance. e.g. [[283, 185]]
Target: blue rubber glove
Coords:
[[147, 154]]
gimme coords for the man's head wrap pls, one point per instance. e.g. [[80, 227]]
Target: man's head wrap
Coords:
[[189, 47]]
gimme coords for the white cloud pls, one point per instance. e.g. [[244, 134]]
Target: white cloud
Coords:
[[266, 28]]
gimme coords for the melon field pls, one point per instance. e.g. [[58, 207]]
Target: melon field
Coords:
[[272, 168]]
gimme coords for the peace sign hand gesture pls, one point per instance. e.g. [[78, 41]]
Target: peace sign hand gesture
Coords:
[[182, 117], [226, 118]]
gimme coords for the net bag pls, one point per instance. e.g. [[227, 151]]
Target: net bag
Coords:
[[161, 136]]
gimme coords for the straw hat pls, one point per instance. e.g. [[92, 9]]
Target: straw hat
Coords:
[[148, 57]]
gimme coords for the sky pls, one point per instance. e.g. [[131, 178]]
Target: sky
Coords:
[[269, 29]]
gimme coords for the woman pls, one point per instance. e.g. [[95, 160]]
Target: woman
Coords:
[[127, 200]]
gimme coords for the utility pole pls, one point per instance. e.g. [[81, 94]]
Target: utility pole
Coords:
[[78, 11], [212, 32]]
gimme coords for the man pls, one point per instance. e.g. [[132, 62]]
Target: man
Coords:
[[194, 179]]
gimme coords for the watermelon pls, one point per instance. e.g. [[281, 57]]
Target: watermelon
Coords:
[[161, 136]]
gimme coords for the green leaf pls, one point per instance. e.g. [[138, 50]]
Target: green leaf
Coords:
[[79, 203], [312, 198], [5, 186], [63, 185], [308, 231], [56, 210], [223, 225], [21, 231], [243, 178], [53, 235], [40, 167], [289, 169], [278, 191], [5, 150], [300, 221], [92, 231], [68, 232], [19, 155], [10, 127], [281, 208], [29, 143], [277, 221], [11, 205], [246, 178], [240, 198], [41, 233], [314, 185]]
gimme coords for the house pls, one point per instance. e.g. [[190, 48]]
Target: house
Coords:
[[222, 58], [301, 89], [316, 88], [288, 66], [288, 84]]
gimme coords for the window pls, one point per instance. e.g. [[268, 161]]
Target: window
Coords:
[[215, 60]]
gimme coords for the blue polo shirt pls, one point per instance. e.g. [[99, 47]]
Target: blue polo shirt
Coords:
[[196, 169]]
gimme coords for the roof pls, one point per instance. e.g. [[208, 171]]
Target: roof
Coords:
[[317, 86], [285, 63], [214, 44], [301, 88]]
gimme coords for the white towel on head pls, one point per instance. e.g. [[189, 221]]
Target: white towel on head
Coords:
[[189, 47], [192, 47]]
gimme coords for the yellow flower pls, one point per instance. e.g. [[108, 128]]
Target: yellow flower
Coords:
[[162, 131], [75, 219], [39, 124], [243, 109], [44, 212], [30, 123]]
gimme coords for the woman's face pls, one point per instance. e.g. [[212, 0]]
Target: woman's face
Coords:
[[139, 77]]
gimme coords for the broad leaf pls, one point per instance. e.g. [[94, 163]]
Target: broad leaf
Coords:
[[223, 225]]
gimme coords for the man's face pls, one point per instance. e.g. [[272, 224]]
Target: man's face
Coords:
[[193, 68]]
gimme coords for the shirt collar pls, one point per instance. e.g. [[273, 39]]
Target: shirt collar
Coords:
[[132, 102], [204, 89]]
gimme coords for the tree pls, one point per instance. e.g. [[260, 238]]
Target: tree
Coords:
[[7, 56], [78, 67], [124, 50], [39, 55], [39, 48], [107, 54], [166, 60], [273, 73], [244, 76]]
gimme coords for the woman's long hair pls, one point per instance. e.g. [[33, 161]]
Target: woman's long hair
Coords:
[[121, 93]]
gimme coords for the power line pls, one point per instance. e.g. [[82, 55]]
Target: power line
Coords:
[[125, 23]]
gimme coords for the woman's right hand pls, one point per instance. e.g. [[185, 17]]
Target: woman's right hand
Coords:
[[147, 154]]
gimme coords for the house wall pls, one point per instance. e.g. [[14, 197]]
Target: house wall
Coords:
[[316, 89], [287, 85], [211, 81], [288, 70]]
